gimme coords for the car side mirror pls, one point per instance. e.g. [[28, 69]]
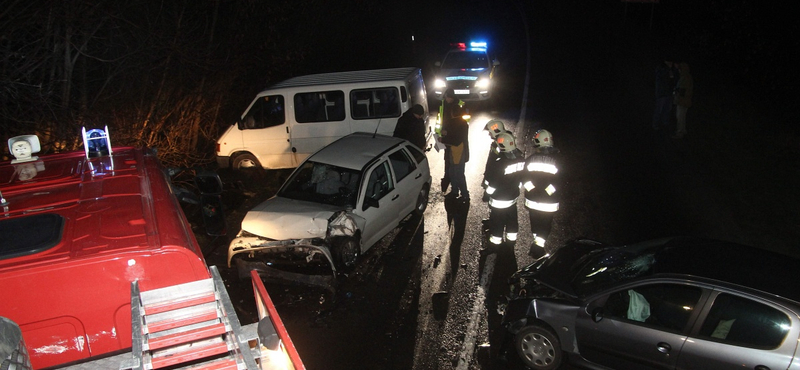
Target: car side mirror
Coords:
[[495, 62], [597, 314], [438, 64]]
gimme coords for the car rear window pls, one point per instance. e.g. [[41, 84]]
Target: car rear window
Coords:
[[31, 234]]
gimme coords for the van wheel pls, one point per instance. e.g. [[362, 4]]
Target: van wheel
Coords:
[[422, 201], [346, 251], [245, 161]]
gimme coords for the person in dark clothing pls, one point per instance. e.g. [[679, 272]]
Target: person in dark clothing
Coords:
[[666, 78], [542, 184], [411, 126], [504, 182], [456, 141], [449, 111]]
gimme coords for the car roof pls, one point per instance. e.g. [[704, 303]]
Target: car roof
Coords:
[[356, 150], [350, 77], [738, 264]]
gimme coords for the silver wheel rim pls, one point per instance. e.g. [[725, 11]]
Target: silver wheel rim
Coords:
[[537, 350], [247, 163]]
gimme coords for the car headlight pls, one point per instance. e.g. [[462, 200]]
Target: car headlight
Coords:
[[439, 83], [482, 83]]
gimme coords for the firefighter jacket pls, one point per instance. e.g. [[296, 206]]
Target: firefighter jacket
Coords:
[[541, 183], [504, 179], [493, 153]]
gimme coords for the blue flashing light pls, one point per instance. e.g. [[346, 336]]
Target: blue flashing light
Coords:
[[478, 44]]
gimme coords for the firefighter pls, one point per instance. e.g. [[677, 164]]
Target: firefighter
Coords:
[[541, 184], [504, 182], [494, 128]]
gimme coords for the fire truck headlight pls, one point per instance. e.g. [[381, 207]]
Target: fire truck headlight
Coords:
[[439, 84]]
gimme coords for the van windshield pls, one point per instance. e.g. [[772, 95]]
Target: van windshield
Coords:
[[323, 183]]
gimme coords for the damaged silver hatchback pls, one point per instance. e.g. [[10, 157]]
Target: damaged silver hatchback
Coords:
[[672, 303], [335, 206]]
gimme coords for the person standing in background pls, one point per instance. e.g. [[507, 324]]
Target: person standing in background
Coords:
[[411, 126], [683, 98], [666, 77]]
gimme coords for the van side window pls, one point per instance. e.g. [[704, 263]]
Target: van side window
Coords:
[[267, 111], [381, 102], [320, 106]]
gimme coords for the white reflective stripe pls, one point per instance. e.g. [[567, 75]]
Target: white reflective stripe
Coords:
[[489, 189], [495, 239], [494, 203], [538, 240], [486, 182], [550, 189], [528, 186], [511, 236], [542, 167], [544, 207], [514, 167]]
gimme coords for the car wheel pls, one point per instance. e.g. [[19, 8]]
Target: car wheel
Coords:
[[539, 348], [245, 161], [422, 201], [346, 251]]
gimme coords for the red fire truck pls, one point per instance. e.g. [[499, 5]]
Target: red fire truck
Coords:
[[98, 262]]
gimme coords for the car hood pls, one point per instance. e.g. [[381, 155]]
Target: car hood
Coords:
[[283, 219], [558, 270]]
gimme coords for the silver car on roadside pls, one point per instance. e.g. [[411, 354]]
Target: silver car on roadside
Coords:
[[336, 205], [673, 303]]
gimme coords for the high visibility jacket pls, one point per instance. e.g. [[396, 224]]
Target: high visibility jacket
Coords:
[[541, 183], [503, 176], [444, 114]]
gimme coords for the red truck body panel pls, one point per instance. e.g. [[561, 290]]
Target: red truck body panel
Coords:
[[105, 222]]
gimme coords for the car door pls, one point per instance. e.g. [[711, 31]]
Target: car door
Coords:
[[379, 203], [409, 180], [265, 132], [741, 332], [639, 327]]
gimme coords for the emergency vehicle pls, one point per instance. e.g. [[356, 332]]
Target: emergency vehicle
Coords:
[[99, 268], [468, 70]]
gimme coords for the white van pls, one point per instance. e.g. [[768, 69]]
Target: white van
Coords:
[[294, 118]]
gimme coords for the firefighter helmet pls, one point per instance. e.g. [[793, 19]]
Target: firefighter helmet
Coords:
[[495, 127], [543, 139], [506, 142]]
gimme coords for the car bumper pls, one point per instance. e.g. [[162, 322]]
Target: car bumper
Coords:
[[281, 252]]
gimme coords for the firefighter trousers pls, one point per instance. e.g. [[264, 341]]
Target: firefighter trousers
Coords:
[[503, 224], [541, 223]]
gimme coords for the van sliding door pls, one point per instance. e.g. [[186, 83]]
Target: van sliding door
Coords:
[[320, 118]]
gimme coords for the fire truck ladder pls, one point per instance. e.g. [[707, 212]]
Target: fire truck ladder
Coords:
[[189, 326]]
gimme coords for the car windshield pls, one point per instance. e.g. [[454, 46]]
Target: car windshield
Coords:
[[613, 267], [466, 60], [323, 183]]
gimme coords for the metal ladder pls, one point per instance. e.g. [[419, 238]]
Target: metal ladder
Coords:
[[189, 326]]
